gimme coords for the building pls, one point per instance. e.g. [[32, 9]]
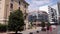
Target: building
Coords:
[[38, 17], [7, 6], [58, 6], [52, 15]]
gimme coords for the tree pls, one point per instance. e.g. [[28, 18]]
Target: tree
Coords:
[[31, 25], [43, 25], [16, 21], [48, 25]]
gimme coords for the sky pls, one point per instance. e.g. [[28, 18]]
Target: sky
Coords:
[[35, 4]]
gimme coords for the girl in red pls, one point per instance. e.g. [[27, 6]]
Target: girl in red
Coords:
[[50, 28]]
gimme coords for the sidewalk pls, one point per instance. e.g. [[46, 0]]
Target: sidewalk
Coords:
[[3, 33], [34, 31]]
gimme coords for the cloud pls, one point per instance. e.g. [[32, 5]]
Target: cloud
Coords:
[[35, 4], [41, 2]]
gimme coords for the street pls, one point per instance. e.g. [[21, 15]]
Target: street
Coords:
[[34, 31]]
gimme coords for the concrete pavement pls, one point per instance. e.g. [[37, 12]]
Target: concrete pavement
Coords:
[[34, 31]]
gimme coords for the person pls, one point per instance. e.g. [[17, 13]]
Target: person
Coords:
[[47, 27], [50, 28]]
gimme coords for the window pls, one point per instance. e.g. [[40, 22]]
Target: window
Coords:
[[51, 10], [53, 15], [25, 6], [19, 2], [11, 5]]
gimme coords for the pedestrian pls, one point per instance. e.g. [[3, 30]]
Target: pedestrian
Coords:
[[50, 28], [47, 29]]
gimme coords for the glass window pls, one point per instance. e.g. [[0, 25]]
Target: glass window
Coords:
[[51, 10], [11, 5], [52, 15]]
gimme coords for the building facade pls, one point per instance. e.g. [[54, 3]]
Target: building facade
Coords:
[[38, 17], [7, 6], [58, 6], [52, 15]]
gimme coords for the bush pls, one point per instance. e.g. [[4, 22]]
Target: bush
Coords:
[[43, 25], [3, 28]]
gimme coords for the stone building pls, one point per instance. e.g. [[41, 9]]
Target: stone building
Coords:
[[7, 6]]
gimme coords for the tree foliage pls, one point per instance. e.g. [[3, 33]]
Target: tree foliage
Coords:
[[16, 21], [48, 24], [43, 24]]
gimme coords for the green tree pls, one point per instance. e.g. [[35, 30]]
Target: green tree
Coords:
[[48, 25], [31, 25], [43, 25], [16, 21]]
